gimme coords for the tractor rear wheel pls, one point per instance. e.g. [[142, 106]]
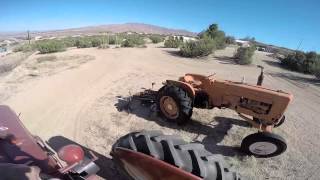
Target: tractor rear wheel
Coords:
[[174, 104], [172, 149], [263, 144]]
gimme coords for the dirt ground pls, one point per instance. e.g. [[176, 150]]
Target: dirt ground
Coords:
[[79, 96]]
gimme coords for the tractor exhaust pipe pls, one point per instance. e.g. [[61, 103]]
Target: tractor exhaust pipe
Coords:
[[261, 76]]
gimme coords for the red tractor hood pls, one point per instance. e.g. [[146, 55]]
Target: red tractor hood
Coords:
[[17, 145]]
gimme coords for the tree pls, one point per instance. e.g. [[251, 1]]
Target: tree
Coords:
[[230, 40], [311, 58], [215, 34]]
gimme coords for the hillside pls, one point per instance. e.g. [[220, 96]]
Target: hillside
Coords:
[[115, 28]]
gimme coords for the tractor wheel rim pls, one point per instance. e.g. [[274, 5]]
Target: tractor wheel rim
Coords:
[[169, 107], [262, 148]]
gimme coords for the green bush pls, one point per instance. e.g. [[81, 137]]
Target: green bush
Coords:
[[311, 62], [133, 41], [50, 46], [69, 41], [114, 39], [104, 46], [25, 48], [244, 55], [156, 39], [203, 47], [96, 42], [303, 62], [173, 42], [83, 43]]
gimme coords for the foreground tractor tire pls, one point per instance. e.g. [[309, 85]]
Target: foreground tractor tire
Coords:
[[174, 104], [190, 157], [264, 144]]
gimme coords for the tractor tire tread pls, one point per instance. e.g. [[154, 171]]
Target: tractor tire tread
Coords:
[[185, 102], [191, 157]]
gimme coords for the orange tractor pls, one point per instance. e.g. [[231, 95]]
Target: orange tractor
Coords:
[[263, 108]]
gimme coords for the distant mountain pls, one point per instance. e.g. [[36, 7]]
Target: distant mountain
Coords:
[[115, 28]]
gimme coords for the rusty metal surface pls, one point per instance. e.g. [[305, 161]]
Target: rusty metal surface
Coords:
[[141, 166], [256, 101], [18, 145]]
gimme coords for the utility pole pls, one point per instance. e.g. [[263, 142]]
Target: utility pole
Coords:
[[28, 36]]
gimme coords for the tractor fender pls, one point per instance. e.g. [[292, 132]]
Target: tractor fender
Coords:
[[141, 166], [187, 87]]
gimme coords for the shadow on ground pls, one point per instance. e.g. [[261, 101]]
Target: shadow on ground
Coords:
[[225, 60], [296, 78], [107, 167], [214, 134], [172, 52], [273, 63]]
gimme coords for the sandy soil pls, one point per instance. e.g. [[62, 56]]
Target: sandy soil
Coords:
[[79, 95]]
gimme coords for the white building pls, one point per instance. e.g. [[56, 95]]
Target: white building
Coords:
[[243, 43]]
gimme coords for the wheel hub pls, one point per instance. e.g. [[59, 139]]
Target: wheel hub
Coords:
[[169, 107], [263, 148]]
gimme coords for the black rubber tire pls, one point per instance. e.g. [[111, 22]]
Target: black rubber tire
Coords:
[[281, 121], [191, 157], [183, 100], [274, 139]]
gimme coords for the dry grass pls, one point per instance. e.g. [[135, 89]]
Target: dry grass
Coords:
[[46, 58], [11, 61]]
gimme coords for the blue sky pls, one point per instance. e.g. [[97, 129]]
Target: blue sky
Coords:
[[280, 22]]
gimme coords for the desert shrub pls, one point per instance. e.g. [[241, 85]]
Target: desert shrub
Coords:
[[50, 46], [302, 62], [127, 43], [156, 39], [173, 42], [103, 46], [25, 48], [133, 41], [203, 47], [244, 55], [17, 48], [69, 41], [290, 62], [114, 39], [96, 42], [83, 43], [311, 62]]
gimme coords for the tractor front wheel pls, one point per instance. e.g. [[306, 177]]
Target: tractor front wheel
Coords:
[[263, 144], [174, 104], [281, 121]]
